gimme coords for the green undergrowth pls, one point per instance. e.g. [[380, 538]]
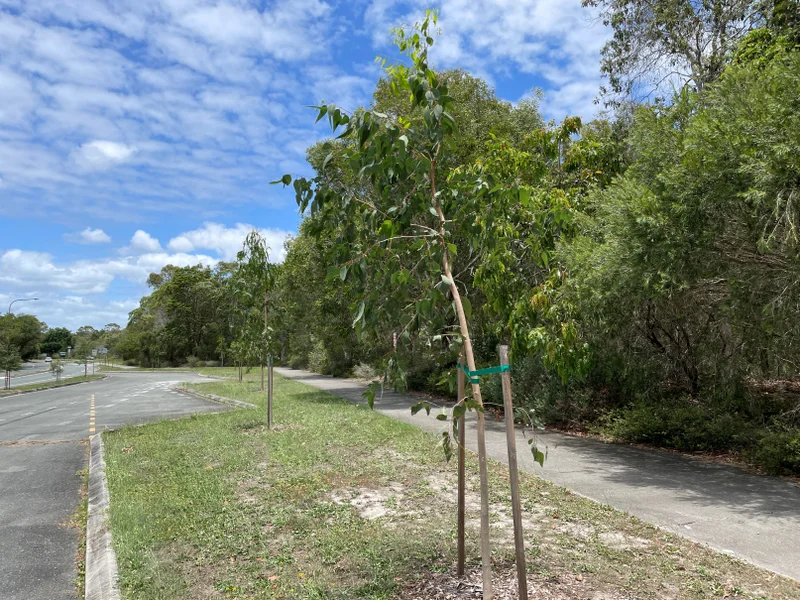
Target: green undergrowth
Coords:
[[341, 502]]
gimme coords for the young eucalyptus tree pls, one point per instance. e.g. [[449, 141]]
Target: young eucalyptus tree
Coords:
[[397, 226], [253, 282]]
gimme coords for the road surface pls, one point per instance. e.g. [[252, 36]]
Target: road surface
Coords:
[[755, 518], [42, 449], [70, 370]]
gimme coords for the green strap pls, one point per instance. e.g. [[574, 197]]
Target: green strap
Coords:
[[475, 376]]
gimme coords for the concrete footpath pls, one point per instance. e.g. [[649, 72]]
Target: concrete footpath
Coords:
[[755, 518]]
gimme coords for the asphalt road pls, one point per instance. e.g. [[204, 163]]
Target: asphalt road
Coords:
[[70, 370], [43, 447], [756, 518]]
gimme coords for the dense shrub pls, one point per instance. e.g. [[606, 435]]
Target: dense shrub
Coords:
[[778, 452], [200, 364], [365, 372], [131, 362], [318, 359], [211, 363], [191, 361], [681, 425], [298, 362]]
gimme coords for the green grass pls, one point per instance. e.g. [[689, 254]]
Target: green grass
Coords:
[[253, 374], [49, 384], [216, 506]]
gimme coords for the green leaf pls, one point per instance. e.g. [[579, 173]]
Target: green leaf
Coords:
[[343, 274], [472, 404], [452, 249], [467, 306], [441, 417], [285, 180], [432, 210], [327, 160], [369, 396], [322, 111], [538, 455], [360, 314], [447, 446], [446, 280]]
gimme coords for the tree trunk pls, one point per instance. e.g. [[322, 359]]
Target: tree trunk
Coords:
[[486, 552]]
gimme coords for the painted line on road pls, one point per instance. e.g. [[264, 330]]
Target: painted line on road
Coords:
[[91, 417]]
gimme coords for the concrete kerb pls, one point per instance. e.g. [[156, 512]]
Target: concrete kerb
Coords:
[[101, 561], [215, 398]]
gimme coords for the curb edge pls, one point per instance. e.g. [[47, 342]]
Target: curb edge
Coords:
[[101, 561]]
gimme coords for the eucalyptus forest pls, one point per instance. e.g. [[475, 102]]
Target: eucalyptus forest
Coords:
[[642, 266]]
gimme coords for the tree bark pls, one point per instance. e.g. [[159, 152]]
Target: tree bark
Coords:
[[486, 552]]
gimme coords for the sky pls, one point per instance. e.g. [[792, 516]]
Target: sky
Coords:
[[139, 134]]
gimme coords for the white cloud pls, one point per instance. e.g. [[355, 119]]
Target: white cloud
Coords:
[[21, 269], [557, 40], [89, 236], [101, 154], [227, 241], [143, 242]]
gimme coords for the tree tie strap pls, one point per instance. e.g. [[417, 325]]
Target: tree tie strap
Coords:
[[475, 376]]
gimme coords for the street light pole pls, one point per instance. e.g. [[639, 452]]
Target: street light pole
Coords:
[[19, 300]]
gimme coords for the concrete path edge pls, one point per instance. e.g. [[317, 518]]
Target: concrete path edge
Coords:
[[101, 561], [215, 398]]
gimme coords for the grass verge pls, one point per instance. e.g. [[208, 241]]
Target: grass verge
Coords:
[[49, 384], [230, 372], [340, 502]]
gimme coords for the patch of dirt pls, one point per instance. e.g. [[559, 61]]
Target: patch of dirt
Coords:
[[619, 541], [576, 530], [371, 503], [446, 586], [245, 488]]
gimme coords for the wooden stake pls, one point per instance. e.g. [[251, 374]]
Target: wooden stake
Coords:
[[269, 392], [511, 440], [461, 474]]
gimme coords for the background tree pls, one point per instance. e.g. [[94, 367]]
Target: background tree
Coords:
[[56, 340], [10, 360], [253, 281], [24, 332], [679, 41]]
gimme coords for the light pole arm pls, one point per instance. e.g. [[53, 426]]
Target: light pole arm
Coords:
[[18, 300]]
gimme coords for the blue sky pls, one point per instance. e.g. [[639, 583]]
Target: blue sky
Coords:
[[138, 134]]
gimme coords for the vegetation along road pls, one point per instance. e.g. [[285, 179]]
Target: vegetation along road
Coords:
[[756, 518]]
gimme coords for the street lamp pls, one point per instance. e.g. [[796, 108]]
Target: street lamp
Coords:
[[19, 300]]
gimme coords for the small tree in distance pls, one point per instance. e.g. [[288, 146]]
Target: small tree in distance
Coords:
[[10, 360], [56, 369], [253, 281]]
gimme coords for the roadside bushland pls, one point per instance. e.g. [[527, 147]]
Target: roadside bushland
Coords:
[[340, 502]]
